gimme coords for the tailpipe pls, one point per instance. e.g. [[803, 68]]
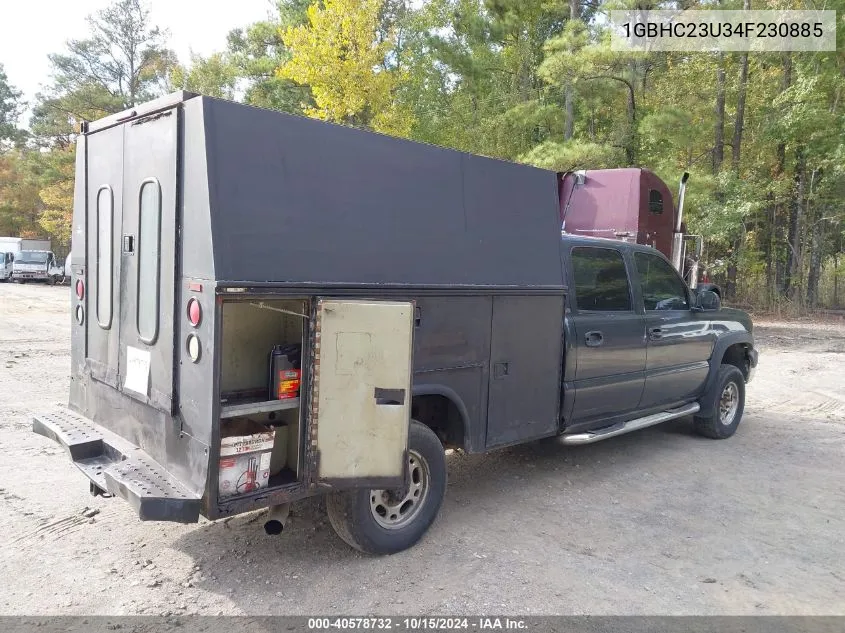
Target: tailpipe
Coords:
[[276, 520]]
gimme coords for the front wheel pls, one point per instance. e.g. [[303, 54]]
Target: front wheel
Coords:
[[389, 521], [728, 407]]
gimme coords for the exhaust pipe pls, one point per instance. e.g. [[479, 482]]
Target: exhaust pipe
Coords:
[[276, 520], [677, 236]]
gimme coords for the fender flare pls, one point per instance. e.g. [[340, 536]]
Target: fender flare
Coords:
[[433, 389], [707, 399]]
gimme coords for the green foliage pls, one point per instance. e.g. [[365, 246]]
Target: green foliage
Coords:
[[213, 76], [526, 80], [257, 51], [123, 62], [10, 109], [574, 155]]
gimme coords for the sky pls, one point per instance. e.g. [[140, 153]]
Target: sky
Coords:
[[32, 29]]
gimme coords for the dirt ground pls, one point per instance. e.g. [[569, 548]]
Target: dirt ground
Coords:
[[656, 522]]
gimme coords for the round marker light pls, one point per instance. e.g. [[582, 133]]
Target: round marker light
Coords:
[[194, 312], [80, 315], [80, 289], [193, 346]]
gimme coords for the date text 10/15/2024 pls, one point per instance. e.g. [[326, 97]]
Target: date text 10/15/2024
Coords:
[[418, 624]]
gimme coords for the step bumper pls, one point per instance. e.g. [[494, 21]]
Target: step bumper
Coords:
[[120, 468]]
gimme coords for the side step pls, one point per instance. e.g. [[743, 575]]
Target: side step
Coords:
[[632, 425], [119, 467]]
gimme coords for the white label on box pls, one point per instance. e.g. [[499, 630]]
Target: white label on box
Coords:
[[137, 370], [240, 444]]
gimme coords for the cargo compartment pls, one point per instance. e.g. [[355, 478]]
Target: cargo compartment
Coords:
[[258, 405]]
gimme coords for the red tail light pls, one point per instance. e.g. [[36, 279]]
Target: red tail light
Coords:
[[80, 289], [194, 312]]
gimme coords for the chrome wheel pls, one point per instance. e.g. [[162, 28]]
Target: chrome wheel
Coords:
[[393, 509], [728, 404]]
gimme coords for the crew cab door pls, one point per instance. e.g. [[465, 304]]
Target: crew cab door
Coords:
[[610, 342], [361, 391], [679, 343]]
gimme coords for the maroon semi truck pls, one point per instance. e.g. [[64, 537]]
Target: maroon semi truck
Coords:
[[633, 205]]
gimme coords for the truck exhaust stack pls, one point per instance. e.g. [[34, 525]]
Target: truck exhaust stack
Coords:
[[677, 235], [277, 519]]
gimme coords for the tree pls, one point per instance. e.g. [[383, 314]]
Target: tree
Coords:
[[10, 109], [337, 54], [213, 76], [19, 201], [123, 62], [258, 51], [56, 193]]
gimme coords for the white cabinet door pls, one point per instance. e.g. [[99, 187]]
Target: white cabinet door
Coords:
[[361, 390]]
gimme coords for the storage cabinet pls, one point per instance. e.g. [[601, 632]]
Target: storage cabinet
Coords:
[[251, 327]]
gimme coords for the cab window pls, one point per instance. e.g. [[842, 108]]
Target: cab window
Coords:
[[601, 283], [662, 288]]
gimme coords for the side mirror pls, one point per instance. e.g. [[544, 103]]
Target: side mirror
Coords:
[[707, 300]]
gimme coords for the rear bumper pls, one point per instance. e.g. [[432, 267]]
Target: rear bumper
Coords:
[[119, 467]]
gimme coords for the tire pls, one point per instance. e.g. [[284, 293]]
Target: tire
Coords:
[[727, 407], [353, 513]]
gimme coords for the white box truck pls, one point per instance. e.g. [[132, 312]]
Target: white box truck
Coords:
[[23, 259], [11, 246]]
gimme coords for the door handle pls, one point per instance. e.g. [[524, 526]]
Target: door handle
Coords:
[[389, 396], [500, 370], [655, 333], [594, 338]]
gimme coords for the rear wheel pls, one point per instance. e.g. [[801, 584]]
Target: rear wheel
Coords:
[[389, 521], [728, 406]]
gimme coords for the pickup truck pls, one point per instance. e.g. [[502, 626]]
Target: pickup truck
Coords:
[[644, 348], [415, 297]]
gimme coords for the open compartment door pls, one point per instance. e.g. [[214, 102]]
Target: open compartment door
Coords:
[[361, 391]]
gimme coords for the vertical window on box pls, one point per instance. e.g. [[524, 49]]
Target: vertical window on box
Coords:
[[149, 254], [105, 258]]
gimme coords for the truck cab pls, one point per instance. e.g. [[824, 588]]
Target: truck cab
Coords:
[[36, 266]]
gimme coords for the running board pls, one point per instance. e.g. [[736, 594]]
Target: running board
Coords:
[[632, 425]]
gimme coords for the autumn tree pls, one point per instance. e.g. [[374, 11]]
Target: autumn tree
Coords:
[[339, 55]]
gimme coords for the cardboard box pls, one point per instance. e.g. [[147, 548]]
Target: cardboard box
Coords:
[[245, 453]]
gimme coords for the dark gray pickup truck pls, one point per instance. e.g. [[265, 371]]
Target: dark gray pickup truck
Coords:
[[643, 348], [267, 308]]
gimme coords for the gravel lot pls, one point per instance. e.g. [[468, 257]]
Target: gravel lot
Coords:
[[655, 522]]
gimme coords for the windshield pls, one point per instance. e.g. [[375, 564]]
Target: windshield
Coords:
[[31, 257]]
